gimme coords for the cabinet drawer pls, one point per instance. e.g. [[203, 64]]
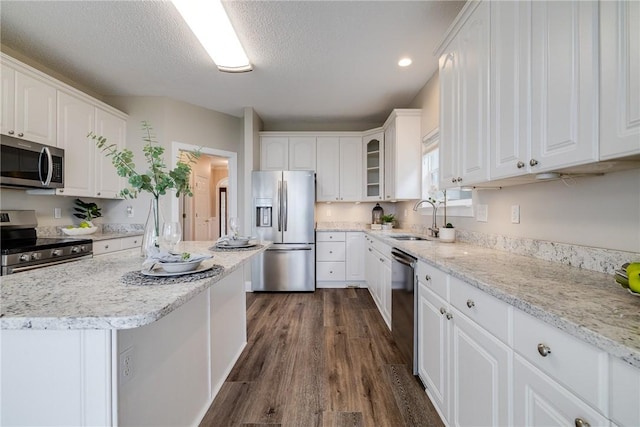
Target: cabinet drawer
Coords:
[[106, 246], [433, 279], [330, 236], [330, 251], [330, 271], [575, 364], [487, 311], [625, 393], [131, 242]]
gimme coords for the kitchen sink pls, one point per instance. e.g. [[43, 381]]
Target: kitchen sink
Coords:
[[409, 238]]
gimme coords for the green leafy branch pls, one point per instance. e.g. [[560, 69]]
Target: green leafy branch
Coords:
[[157, 179]]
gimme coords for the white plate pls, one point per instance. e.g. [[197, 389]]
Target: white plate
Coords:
[[162, 273], [226, 246], [78, 231]]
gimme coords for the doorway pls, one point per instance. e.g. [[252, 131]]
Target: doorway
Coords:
[[200, 214]]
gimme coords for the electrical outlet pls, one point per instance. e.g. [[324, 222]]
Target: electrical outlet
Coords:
[[328, 212], [515, 214], [126, 365], [482, 213], [129, 211], [406, 213], [57, 213]]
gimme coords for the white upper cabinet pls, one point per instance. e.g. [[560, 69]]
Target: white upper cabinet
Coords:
[[339, 169], [76, 118], [108, 183], [373, 145], [403, 155], [564, 84], [464, 74], [510, 134], [620, 79], [28, 106], [287, 152]]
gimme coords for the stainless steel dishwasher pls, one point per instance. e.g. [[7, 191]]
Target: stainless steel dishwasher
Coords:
[[404, 307]]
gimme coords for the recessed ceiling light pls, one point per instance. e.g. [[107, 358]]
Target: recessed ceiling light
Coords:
[[405, 62], [210, 23]]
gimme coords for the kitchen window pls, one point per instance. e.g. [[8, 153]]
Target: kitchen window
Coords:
[[459, 201]]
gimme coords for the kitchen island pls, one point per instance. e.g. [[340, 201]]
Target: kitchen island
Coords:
[[81, 347]]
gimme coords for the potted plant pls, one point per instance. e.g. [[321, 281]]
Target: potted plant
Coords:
[[387, 221], [157, 180], [448, 233], [86, 211]]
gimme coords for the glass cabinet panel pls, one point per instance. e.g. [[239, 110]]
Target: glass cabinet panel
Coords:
[[374, 166]]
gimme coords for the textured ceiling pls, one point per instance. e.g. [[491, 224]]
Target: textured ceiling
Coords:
[[317, 64]]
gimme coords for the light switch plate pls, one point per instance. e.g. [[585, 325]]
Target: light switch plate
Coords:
[[482, 213], [57, 213], [515, 214]]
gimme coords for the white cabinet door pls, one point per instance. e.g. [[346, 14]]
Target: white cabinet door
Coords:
[[108, 183], [619, 79], [433, 348], [350, 169], [35, 110], [8, 106], [328, 169], [355, 267], [625, 393], [385, 290], [480, 372], [564, 84], [540, 401], [373, 166], [448, 117], [390, 161], [403, 155], [510, 76], [302, 153], [76, 118], [473, 63], [274, 153]]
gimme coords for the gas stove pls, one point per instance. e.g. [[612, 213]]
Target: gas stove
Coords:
[[22, 250]]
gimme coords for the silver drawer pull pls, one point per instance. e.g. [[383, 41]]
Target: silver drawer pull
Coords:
[[582, 423], [427, 277], [449, 316], [470, 303], [442, 310], [544, 350]]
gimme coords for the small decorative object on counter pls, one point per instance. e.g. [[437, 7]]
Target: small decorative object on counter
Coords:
[[633, 275], [376, 214], [157, 180], [87, 212], [387, 221], [448, 233]]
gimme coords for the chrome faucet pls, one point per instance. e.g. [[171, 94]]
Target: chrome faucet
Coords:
[[434, 227]]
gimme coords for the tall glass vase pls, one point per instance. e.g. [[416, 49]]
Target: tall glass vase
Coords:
[[152, 228]]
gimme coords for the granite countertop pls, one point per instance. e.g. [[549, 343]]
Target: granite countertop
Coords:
[[89, 294], [110, 235], [588, 305]]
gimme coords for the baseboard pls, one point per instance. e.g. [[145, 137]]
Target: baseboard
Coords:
[[340, 285]]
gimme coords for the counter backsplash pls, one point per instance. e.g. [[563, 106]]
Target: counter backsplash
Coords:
[[54, 230], [588, 258]]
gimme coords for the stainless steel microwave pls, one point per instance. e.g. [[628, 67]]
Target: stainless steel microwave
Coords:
[[26, 164]]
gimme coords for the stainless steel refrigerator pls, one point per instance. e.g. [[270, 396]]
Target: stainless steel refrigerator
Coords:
[[283, 212]]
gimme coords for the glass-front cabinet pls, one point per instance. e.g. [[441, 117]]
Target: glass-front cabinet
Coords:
[[373, 164]]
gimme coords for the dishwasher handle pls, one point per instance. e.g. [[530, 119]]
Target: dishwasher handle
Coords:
[[403, 258]]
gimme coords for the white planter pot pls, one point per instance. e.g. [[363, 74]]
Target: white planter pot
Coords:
[[447, 235], [387, 226]]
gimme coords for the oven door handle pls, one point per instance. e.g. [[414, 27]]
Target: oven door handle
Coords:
[[47, 152], [44, 264]]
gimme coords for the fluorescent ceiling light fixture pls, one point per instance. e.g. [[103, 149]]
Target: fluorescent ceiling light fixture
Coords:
[[210, 23], [405, 62]]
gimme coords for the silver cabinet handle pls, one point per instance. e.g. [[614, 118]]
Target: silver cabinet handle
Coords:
[[449, 316], [470, 303], [459, 179], [454, 180], [533, 162], [582, 423], [370, 250], [520, 164], [442, 310], [427, 277], [10, 132], [21, 134], [544, 350], [381, 260]]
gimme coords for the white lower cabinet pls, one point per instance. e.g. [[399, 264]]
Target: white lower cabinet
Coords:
[[540, 401], [118, 244], [378, 277], [624, 394], [339, 259]]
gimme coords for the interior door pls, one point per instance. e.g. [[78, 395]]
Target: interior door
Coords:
[[202, 208]]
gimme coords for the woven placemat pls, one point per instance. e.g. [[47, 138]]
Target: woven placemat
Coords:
[[139, 279], [216, 248]]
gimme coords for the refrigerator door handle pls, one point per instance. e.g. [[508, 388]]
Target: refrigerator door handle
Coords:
[[286, 205], [279, 205], [276, 249]]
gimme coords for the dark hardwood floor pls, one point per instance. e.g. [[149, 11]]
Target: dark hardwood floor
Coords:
[[319, 359]]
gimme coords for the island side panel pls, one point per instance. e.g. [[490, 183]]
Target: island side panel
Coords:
[[56, 377], [228, 326], [164, 368]]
